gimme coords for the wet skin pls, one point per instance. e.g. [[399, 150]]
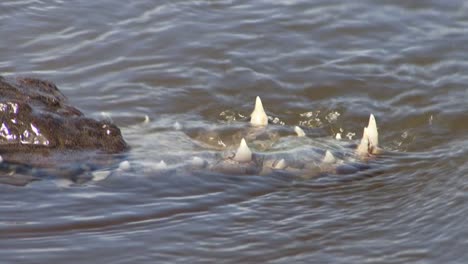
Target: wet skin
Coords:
[[39, 128]]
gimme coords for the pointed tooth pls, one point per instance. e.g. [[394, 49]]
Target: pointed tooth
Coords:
[[363, 148], [258, 103], [177, 126], [160, 166], [258, 116], [299, 131], [370, 138], [280, 164], [338, 136], [372, 132], [243, 153], [124, 165], [198, 162], [328, 158], [100, 175]]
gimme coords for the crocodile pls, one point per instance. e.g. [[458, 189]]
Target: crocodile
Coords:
[[42, 135], [41, 131]]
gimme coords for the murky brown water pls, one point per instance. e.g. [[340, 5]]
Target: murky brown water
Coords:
[[200, 63]]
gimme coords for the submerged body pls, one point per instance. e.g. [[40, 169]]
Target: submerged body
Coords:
[[280, 149], [40, 132]]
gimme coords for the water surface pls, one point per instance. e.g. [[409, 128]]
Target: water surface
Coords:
[[201, 63]]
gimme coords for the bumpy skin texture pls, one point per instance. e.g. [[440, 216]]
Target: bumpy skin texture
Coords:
[[35, 118]]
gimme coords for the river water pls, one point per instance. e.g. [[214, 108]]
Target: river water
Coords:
[[200, 64]]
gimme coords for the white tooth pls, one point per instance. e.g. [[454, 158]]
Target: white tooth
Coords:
[[100, 175], [124, 165], [363, 148], [147, 119], [370, 138], [177, 126], [160, 166], [280, 165], [198, 162], [299, 131], [338, 136], [328, 158], [258, 116], [372, 132], [243, 153]]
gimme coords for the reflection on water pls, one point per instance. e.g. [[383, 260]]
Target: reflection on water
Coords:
[[200, 64]]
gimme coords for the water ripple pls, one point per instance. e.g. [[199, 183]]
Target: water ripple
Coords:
[[189, 61]]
